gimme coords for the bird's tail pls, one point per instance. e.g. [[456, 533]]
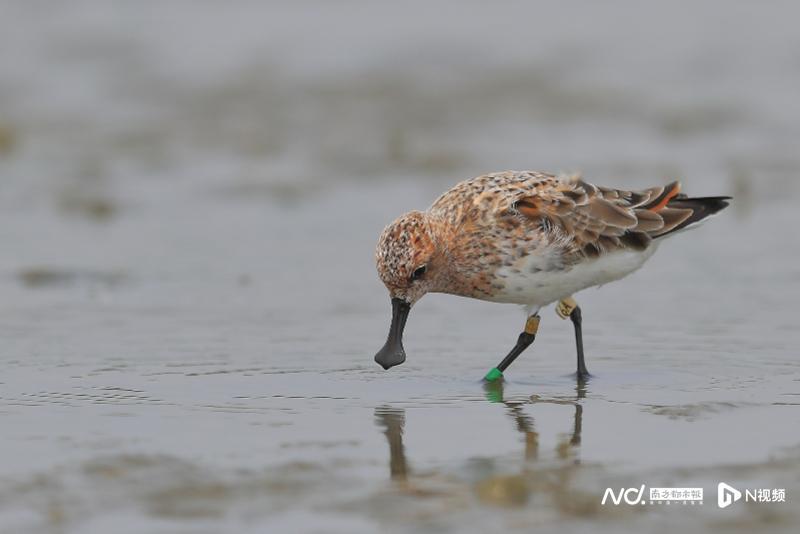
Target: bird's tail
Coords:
[[681, 212]]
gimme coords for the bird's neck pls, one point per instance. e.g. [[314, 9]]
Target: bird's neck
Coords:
[[455, 248]]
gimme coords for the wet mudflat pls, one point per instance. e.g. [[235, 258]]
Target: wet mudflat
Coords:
[[189, 303]]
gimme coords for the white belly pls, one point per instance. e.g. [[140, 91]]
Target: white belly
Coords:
[[533, 281]]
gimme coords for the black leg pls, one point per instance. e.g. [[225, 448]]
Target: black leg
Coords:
[[577, 322], [523, 342]]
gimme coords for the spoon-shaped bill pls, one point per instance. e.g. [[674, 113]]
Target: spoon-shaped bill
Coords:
[[392, 352]]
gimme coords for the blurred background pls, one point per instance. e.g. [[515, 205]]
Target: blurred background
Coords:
[[190, 195]]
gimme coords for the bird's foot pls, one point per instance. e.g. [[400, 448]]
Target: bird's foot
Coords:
[[582, 376]]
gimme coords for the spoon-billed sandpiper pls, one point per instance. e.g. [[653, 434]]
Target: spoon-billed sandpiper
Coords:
[[528, 238]]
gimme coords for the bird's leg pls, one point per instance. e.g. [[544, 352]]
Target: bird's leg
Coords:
[[524, 340], [577, 321], [568, 307]]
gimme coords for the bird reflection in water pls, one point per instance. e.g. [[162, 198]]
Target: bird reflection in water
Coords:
[[392, 422], [566, 447]]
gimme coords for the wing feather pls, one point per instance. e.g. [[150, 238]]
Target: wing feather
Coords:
[[601, 219]]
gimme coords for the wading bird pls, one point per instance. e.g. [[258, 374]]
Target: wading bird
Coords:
[[529, 238]]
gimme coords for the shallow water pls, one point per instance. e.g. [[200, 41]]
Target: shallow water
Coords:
[[190, 307]]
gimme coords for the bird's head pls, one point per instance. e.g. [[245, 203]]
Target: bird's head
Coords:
[[405, 257], [409, 265]]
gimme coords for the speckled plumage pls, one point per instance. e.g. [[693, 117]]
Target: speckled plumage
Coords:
[[530, 237]]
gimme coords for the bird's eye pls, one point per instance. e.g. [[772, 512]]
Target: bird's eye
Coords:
[[418, 272]]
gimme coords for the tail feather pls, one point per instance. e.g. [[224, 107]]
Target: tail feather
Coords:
[[700, 207], [669, 192]]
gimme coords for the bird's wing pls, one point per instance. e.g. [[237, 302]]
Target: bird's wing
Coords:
[[600, 219]]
